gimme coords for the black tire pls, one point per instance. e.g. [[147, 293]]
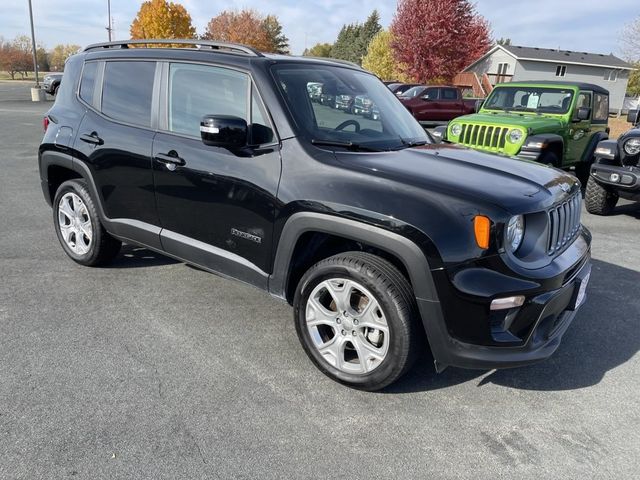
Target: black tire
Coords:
[[396, 300], [599, 200], [583, 171], [103, 247]]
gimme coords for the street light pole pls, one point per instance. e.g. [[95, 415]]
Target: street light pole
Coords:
[[109, 12], [33, 46]]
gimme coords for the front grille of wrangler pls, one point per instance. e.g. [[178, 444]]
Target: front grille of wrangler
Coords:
[[484, 136], [564, 223]]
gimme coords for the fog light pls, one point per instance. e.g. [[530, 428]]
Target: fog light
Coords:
[[507, 302]]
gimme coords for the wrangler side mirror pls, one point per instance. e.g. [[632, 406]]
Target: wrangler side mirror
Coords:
[[633, 117], [583, 113]]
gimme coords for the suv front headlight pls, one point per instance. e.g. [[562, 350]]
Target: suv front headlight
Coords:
[[515, 232], [632, 146], [514, 135], [456, 129]]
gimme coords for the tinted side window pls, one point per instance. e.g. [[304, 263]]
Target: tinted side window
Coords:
[[127, 91], [198, 90], [88, 81], [449, 94], [600, 108]]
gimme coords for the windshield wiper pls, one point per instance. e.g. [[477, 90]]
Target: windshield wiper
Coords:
[[348, 145], [408, 144]]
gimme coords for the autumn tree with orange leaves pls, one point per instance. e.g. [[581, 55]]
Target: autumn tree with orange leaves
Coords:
[[436, 39], [250, 28], [162, 19]]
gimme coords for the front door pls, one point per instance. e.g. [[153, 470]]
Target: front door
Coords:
[[216, 208], [579, 131]]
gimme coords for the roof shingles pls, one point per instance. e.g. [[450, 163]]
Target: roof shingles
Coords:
[[560, 56]]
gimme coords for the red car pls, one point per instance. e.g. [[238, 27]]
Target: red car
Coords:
[[438, 104]]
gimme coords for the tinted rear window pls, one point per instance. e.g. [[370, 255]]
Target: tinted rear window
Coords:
[[127, 91], [88, 82]]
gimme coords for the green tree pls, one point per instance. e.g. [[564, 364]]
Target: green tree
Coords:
[[162, 19], [353, 39], [274, 31], [318, 50], [380, 58], [633, 87], [42, 57], [504, 41]]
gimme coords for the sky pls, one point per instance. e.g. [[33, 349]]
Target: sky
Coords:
[[584, 25]]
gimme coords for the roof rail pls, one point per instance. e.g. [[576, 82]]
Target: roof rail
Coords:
[[335, 60], [199, 44]]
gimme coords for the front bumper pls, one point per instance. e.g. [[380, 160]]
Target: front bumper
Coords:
[[515, 337], [620, 177]]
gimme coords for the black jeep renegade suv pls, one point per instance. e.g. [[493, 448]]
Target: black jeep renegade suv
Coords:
[[214, 154]]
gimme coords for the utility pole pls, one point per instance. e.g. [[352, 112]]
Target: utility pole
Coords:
[[109, 29], [33, 46]]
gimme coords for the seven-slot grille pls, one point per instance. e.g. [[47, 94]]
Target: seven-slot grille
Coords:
[[564, 223], [483, 136]]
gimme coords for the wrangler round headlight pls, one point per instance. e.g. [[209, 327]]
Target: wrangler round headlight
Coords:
[[515, 232], [456, 129], [632, 146], [514, 135]]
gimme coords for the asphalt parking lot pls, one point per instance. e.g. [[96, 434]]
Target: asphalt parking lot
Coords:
[[152, 369]]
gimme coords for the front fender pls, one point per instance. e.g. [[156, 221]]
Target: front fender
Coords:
[[406, 250], [536, 145]]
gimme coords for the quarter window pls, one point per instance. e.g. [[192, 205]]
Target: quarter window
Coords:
[[199, 90], [261, 131], [561, 70], [127, 91], [88, 81]]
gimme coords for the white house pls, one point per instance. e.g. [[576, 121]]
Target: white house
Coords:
[[506, 63]]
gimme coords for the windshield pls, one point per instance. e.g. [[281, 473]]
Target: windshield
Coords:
[[414, 92], [355, 109], [530, 99]]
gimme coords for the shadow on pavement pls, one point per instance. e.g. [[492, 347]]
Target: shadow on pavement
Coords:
[[132, 256], [629, 209], [604, 335]]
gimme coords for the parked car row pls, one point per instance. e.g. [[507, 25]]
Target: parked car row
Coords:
[[354, 104]]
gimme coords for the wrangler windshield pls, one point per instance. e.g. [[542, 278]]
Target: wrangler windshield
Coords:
[[354, 110], [530, 99]]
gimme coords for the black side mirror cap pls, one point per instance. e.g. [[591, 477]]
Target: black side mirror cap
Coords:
[[225, 131], [583, 113], [633, 116]]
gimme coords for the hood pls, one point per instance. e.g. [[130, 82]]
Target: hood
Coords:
[[531, 122], [515, 185]]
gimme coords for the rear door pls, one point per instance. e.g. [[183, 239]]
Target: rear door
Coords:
[[216, 208], [114, 143], [450, 103]]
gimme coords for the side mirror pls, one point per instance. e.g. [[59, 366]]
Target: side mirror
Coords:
[[439, 134], [479, 104], [583, 113], [224, 131], [633, 117]]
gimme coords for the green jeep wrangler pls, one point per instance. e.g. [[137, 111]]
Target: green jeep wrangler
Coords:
[[556, 123]]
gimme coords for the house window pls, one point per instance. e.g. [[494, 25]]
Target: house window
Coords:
[[561, 70], [611, 75], [502, 68]]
